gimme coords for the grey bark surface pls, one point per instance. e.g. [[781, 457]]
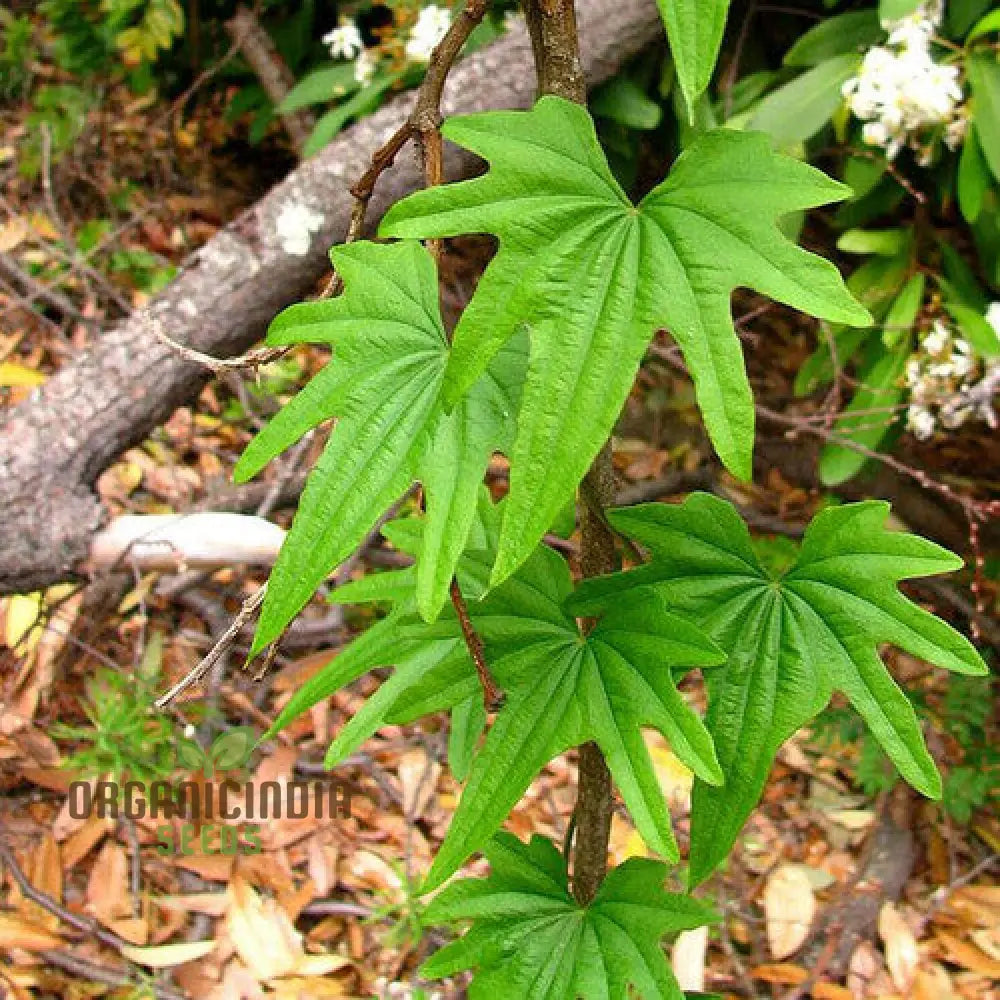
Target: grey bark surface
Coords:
[[54, 446]]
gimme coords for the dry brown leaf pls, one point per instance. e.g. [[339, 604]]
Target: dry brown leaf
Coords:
[[266, 939], [18, 982], [418, 778], [780, 973], [135, 930], [46, 875], [54, 779], [366, 870], [789, 907], [85, 838], [263, 936], [214, 867], [108, 885], [967, 956], [293, 901], [988, 939], [933, 983], [901, 954], [13, 232], [166, 956], [322, 864], [16, 932], [314, 988], [830, 991], [212, 904], [866, 975]]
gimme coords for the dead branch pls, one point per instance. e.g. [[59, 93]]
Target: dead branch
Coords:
[[275, 77]]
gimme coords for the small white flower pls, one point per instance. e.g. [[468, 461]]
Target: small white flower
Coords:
[[295, 225], [920, 421], [956, 130], [344, 41], [954, 416], [364, 67], [937, 340], [189, 732], [941, 369], [432, 25], [875, 133]]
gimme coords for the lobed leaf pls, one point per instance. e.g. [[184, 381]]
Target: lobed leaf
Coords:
[[383, 386], [530, 939], [591, 276], [791, 640]]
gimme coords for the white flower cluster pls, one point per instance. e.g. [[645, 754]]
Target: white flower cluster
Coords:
[[432, 25], [904, 97], [345, 42], [948, 384]]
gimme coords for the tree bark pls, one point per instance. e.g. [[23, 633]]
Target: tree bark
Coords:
[[53, 448]]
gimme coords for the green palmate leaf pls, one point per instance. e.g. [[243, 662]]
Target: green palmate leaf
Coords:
[[563, 689], [383, 384], [592, 276], [530, 939], [791, 640], [694, 30], [432, 669]]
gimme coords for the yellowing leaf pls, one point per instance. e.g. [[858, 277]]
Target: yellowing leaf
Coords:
[[22, 616], [166, 956], [13, 375]]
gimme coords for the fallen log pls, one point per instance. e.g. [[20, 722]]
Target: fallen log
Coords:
[[53, 447]]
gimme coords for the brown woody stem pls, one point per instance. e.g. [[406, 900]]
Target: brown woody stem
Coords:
[[552, 25]]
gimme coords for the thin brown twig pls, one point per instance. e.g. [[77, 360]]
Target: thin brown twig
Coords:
[[492, 695], [218, 651], [86, 971], [75, 920], [252, 359]]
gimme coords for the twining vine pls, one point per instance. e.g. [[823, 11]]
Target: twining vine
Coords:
[[489, 623]]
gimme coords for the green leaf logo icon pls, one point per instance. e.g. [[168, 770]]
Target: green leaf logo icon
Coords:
[[233, 748]]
